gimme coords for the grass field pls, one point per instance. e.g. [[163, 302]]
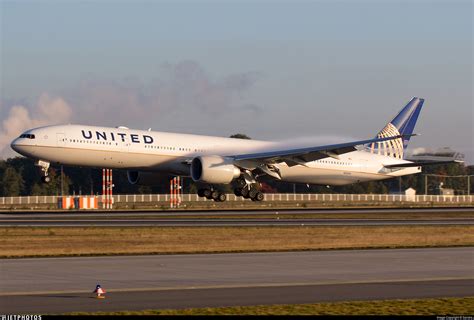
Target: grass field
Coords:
[[444, 306], [74, 241]]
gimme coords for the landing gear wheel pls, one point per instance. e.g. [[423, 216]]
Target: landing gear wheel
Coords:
[[201, 192], [241, 183], [207, 193], [259, 196], [253, 193], [238, 192], [214, 194], [46, 179], [245, 193], [221, 197]]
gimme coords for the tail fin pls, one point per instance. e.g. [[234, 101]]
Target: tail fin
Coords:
[[403, 124]]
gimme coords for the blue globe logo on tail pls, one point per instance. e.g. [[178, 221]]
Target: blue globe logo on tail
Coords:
[[403, 124]]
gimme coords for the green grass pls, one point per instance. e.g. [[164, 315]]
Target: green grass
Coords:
[[440, 306], [19, 242]]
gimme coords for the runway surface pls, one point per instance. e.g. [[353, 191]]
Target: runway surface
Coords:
[[222, 222], [425, 216], [243, 212], [55, 285]]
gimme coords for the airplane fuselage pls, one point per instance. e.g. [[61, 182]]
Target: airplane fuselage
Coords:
[[123, 148]]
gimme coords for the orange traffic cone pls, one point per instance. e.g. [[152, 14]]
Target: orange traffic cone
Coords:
[[99, 292]]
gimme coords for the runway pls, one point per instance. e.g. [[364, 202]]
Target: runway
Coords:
[[222, 222], [231, 212], [200, 298], [377, 217], [55, 285]]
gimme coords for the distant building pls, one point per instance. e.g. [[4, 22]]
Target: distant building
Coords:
[[410, 194], [440, 154]]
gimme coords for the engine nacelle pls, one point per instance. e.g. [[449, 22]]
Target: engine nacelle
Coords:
[[214, 170], [143, 178]]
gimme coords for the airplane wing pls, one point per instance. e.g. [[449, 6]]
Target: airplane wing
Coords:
[[300, 156]]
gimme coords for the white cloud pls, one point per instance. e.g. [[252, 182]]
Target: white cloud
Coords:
[[47, 111]]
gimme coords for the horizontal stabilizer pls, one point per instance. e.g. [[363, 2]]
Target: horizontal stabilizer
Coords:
[[420, 164]]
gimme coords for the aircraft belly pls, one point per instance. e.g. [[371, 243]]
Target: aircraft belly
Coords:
[[104, 158], [325, 176]]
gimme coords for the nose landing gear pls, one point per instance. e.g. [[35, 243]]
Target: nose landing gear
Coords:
[[44, 167]]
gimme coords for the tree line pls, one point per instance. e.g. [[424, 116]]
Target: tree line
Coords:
[[20, 177]]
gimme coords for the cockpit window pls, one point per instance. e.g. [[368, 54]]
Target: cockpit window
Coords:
[[27, 136]]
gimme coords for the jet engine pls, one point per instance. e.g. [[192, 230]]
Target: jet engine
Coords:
[[214, 170], [143, 178]]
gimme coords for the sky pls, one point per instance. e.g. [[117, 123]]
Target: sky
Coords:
[[274, 70]]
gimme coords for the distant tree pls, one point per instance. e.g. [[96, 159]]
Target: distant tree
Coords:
[[470, 171], [12, 183], [37, 190], [19, 176], [240, 136], [145, 189], [3, 166]]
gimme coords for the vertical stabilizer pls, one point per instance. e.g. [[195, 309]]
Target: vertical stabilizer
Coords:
[[402, 124]]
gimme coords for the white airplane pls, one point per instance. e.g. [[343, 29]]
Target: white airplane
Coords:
[[212, 161]]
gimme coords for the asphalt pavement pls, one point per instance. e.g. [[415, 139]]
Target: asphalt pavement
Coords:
[[239, 218], [57, 285]]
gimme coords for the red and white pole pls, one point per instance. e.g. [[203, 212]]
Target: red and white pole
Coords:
[[111, 200], [178, 191], [104, 195], [171, 193], [175, 193], [175, 200], [107, 186]]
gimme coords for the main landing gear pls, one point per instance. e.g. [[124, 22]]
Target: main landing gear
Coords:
[[248, 190], [245, 186], [212, 194], [44, 167]]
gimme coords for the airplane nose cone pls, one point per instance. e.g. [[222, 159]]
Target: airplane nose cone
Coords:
[[14, 145]]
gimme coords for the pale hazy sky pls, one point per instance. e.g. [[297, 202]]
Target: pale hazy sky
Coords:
[[270, 69]]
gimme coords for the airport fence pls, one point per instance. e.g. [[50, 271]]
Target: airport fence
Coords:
[[274, 197]]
